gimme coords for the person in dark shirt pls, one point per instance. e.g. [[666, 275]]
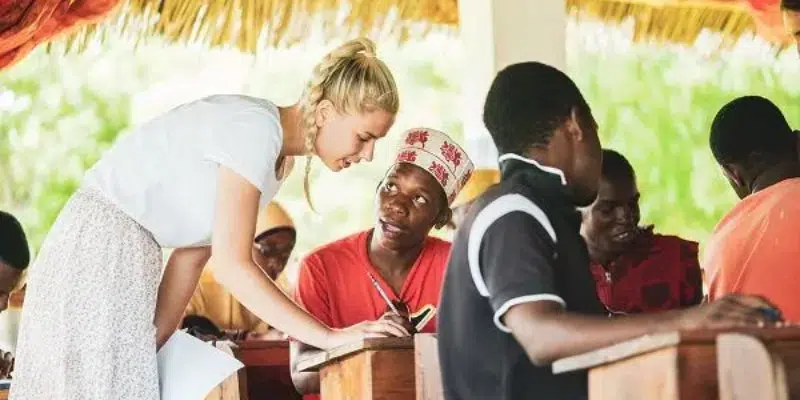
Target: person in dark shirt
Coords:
[[14, 256], [518, 293], [634, 269], [14, 259]]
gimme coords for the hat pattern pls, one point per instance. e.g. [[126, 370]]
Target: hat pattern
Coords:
[[438, 154]]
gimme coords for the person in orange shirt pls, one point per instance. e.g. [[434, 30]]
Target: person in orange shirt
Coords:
[[212, 306], [337, 282], [755, 247]]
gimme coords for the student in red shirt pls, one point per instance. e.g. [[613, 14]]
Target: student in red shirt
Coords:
[[634, 269], [336, 281]]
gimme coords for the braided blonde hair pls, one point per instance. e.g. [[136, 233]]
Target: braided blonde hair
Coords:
[[355, 81]]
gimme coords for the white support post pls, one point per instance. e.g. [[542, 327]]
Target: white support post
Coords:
[[495, 34]]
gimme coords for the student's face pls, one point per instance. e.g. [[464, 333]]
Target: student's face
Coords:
[[410, 203], [345, 139], [272, 252], [791, 21], [587, 160], [611, 223], [9, 279]]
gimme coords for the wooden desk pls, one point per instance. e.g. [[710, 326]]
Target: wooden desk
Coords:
[[669, 366], [386, 369], [267, 373]]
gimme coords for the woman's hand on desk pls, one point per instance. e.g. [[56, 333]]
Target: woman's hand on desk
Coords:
[[730, 311], [366, 329]]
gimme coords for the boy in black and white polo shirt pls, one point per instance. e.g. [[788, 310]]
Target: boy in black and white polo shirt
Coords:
[[518, 292]]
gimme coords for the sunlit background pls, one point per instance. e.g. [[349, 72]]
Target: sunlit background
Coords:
[[654, 103]]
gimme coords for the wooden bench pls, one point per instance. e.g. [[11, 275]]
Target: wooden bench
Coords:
[[384, 368], [753, 368], [678, 365], [266, 374]]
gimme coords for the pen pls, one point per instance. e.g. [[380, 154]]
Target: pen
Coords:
[[382, 293]]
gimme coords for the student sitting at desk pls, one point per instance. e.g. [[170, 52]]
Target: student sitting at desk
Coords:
[[518, 293], [337, 282], [755, 247], [272, 246], [634, 269]]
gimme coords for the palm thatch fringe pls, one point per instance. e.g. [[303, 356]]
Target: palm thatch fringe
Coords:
[[676, 21], [251, 25]]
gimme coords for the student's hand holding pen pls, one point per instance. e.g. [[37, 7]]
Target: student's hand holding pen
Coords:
[[401, 320]]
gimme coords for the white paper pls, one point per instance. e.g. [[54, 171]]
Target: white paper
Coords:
[[189, 368]]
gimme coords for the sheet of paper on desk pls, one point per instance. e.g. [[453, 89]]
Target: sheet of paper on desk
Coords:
[[189, 368]]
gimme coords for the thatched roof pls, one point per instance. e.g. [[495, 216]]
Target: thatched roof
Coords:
[[254, 24]]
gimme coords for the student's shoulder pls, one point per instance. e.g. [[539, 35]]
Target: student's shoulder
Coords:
[[438, 245], [347, 246], [686, 248]]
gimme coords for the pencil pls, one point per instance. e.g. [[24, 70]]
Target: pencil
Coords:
[[383, 294]]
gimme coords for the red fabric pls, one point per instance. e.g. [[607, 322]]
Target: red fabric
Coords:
[[662, 273], [334, 286], [24, 24]]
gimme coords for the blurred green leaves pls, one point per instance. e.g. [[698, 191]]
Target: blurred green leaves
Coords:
[[59, 113]]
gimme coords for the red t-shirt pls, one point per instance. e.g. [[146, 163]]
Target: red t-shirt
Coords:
[[335, 287], [661, 273]]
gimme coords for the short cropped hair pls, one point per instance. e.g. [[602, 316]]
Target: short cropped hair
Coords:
[[751, 129], [791, 5], [526, 103], [616, 166], [14, 245]]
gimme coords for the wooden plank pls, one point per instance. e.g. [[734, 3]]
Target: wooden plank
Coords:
[[347, 379], [746, 370], [655, 376], [263, 353], [697, 372], [427, 372], [316, 361], [392, 374], [267, 373], [649, 343], [617, 352]]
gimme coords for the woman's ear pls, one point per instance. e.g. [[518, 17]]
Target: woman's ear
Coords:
[[325, 110]]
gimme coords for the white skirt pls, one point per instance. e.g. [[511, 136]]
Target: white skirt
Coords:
[[87, 322]]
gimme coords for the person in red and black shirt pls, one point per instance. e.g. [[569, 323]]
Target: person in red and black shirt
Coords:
[[335, 283], [634, 269]]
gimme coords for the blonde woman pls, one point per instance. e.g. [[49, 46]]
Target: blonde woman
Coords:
[[193, 179]]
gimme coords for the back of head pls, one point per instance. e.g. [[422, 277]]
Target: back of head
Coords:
[[791, 5], [616, 167], [14, 250], [526, 103], [354, 80], [751, 131]]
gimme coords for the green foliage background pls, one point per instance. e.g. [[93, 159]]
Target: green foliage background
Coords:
[[58, 113]]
